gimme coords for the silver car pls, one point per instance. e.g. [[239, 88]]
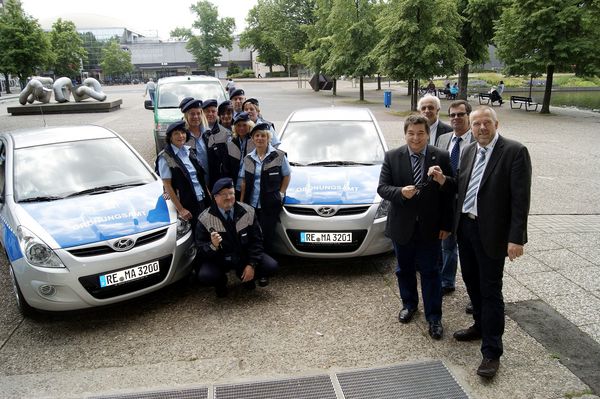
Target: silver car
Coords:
[[331, 207], [84, 220]]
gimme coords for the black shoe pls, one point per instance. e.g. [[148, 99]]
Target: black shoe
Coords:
[[221, 291], [448, 290], [406, 315], [488, 367], [469, 308], [468, 334], [436, 331], [263, 281], [249, 285]]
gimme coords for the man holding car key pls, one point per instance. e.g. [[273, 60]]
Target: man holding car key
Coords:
[[420, 217]]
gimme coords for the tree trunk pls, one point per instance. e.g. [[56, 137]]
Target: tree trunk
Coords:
[[7, 82], [378, 82], [410, 88], [415, 95], [271, 70], [463, 82], [548, 91], [362, 89], [334, 90], [318, 86]]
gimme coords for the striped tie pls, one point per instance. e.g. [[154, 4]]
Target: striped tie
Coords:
[[474, 182], [454, 155], [417, 168]]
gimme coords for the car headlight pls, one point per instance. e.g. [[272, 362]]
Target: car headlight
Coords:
[[37, 252], [183, 227], [382, 210]]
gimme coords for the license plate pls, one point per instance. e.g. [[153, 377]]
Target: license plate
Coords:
[[133, 273], [325, 238]]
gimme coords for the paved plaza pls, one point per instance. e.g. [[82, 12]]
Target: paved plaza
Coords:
[[329, 317]]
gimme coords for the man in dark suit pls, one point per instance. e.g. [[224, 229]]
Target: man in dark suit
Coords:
[[454, 142], [429, 106], [493, 185], [420, 216]]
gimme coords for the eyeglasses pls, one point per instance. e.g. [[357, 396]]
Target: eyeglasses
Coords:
[[425, 183], [426, 107], [457, 115]]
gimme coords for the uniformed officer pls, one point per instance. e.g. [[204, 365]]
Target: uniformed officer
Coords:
[[265, 176], [238, 147], [252, 107], [237, 97], [225, 113], [229, 237]]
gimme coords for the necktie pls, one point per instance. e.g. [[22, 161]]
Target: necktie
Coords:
[[228, 216], [454, 155], [474, 182], [417, 168]]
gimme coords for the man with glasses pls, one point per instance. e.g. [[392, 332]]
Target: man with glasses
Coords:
[[229, 237], [454, 143], [429, 106], [420, 216]]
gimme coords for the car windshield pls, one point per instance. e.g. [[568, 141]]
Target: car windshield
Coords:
[[80, 167], [171, 94], [332, 143]]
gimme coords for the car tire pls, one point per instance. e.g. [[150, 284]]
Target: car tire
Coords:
[[25, 309]]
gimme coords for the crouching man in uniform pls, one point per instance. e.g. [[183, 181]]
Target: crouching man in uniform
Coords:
[[229, 237]]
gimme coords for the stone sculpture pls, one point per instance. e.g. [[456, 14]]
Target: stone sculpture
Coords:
[[40, 89]]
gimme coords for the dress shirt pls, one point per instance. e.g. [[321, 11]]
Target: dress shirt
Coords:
[[488, 154]]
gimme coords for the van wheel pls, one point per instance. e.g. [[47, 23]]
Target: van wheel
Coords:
[[24, 308]]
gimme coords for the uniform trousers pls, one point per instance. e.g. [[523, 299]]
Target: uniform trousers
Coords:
[[482, 275], [213, 273]]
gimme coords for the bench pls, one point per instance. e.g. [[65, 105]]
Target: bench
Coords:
[[530, 105], [487, 97]]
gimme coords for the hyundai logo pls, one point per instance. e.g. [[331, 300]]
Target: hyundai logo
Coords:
[[326, 211], [123, 244]]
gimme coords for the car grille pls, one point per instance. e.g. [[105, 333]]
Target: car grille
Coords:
[[92, 283], [105, 249], [358, 237], [346, 211]]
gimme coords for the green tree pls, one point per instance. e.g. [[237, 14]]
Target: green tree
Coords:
[[536, 36], [418, 44], [24, 46], [213, 33], [68, 49], [257, 37], [319, 39], [353, 24], [476, 34], [115, 60]]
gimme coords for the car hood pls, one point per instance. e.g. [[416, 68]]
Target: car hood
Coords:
[[315, 185], [92, 218]]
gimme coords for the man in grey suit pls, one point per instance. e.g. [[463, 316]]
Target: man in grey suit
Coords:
[[419, 217], [494, 189], [454, 142], [429, 106]]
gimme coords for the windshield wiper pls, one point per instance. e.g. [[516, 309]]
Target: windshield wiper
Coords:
[[296, 164], [104, 189], [337, 163], [41, 198]]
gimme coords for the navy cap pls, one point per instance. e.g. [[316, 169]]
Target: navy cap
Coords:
[[192, 103], [224, 182], [179, 125], [260, 126], [237, 92], [224, 106], [241, 117], [251, 101], [209, 103], [184, 101]]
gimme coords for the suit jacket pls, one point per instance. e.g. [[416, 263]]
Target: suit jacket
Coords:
[[442, 128], [503, 197], [432, 208], [444, 140]]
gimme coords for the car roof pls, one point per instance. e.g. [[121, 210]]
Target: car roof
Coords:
[[331, 114], [188, 78], [49, 135]]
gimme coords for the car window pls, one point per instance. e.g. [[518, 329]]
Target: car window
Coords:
[[171, 94], [59, 170], [343, 141]]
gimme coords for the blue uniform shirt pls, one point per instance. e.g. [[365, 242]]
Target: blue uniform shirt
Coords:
[[182, 153], [202, 153], [285, 171]]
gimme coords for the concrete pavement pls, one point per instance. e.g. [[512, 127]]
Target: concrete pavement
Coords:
[[320, 316]]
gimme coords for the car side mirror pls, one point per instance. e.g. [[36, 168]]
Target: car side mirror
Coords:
[[148, 105]]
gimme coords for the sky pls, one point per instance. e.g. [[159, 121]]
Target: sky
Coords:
[[149, 18]]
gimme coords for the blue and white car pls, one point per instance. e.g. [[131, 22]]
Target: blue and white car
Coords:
[[84, 222], [331, 207]]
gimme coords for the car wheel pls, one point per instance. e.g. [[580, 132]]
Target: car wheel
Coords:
[[24, 308]]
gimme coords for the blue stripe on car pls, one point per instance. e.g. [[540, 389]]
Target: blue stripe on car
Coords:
[[11, 243]]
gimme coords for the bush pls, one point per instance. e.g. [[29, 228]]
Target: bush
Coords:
[[246, 73]]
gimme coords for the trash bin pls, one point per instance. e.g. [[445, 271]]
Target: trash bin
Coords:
[[387, 98]]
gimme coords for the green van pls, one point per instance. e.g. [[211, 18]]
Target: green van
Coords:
[[169, 93]]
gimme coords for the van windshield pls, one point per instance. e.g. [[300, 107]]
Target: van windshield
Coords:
[[171, 94]]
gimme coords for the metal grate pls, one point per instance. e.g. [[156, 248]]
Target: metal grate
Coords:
[[105, 249], [192, 393], [428, 380], [318, 387], [342, 211]]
